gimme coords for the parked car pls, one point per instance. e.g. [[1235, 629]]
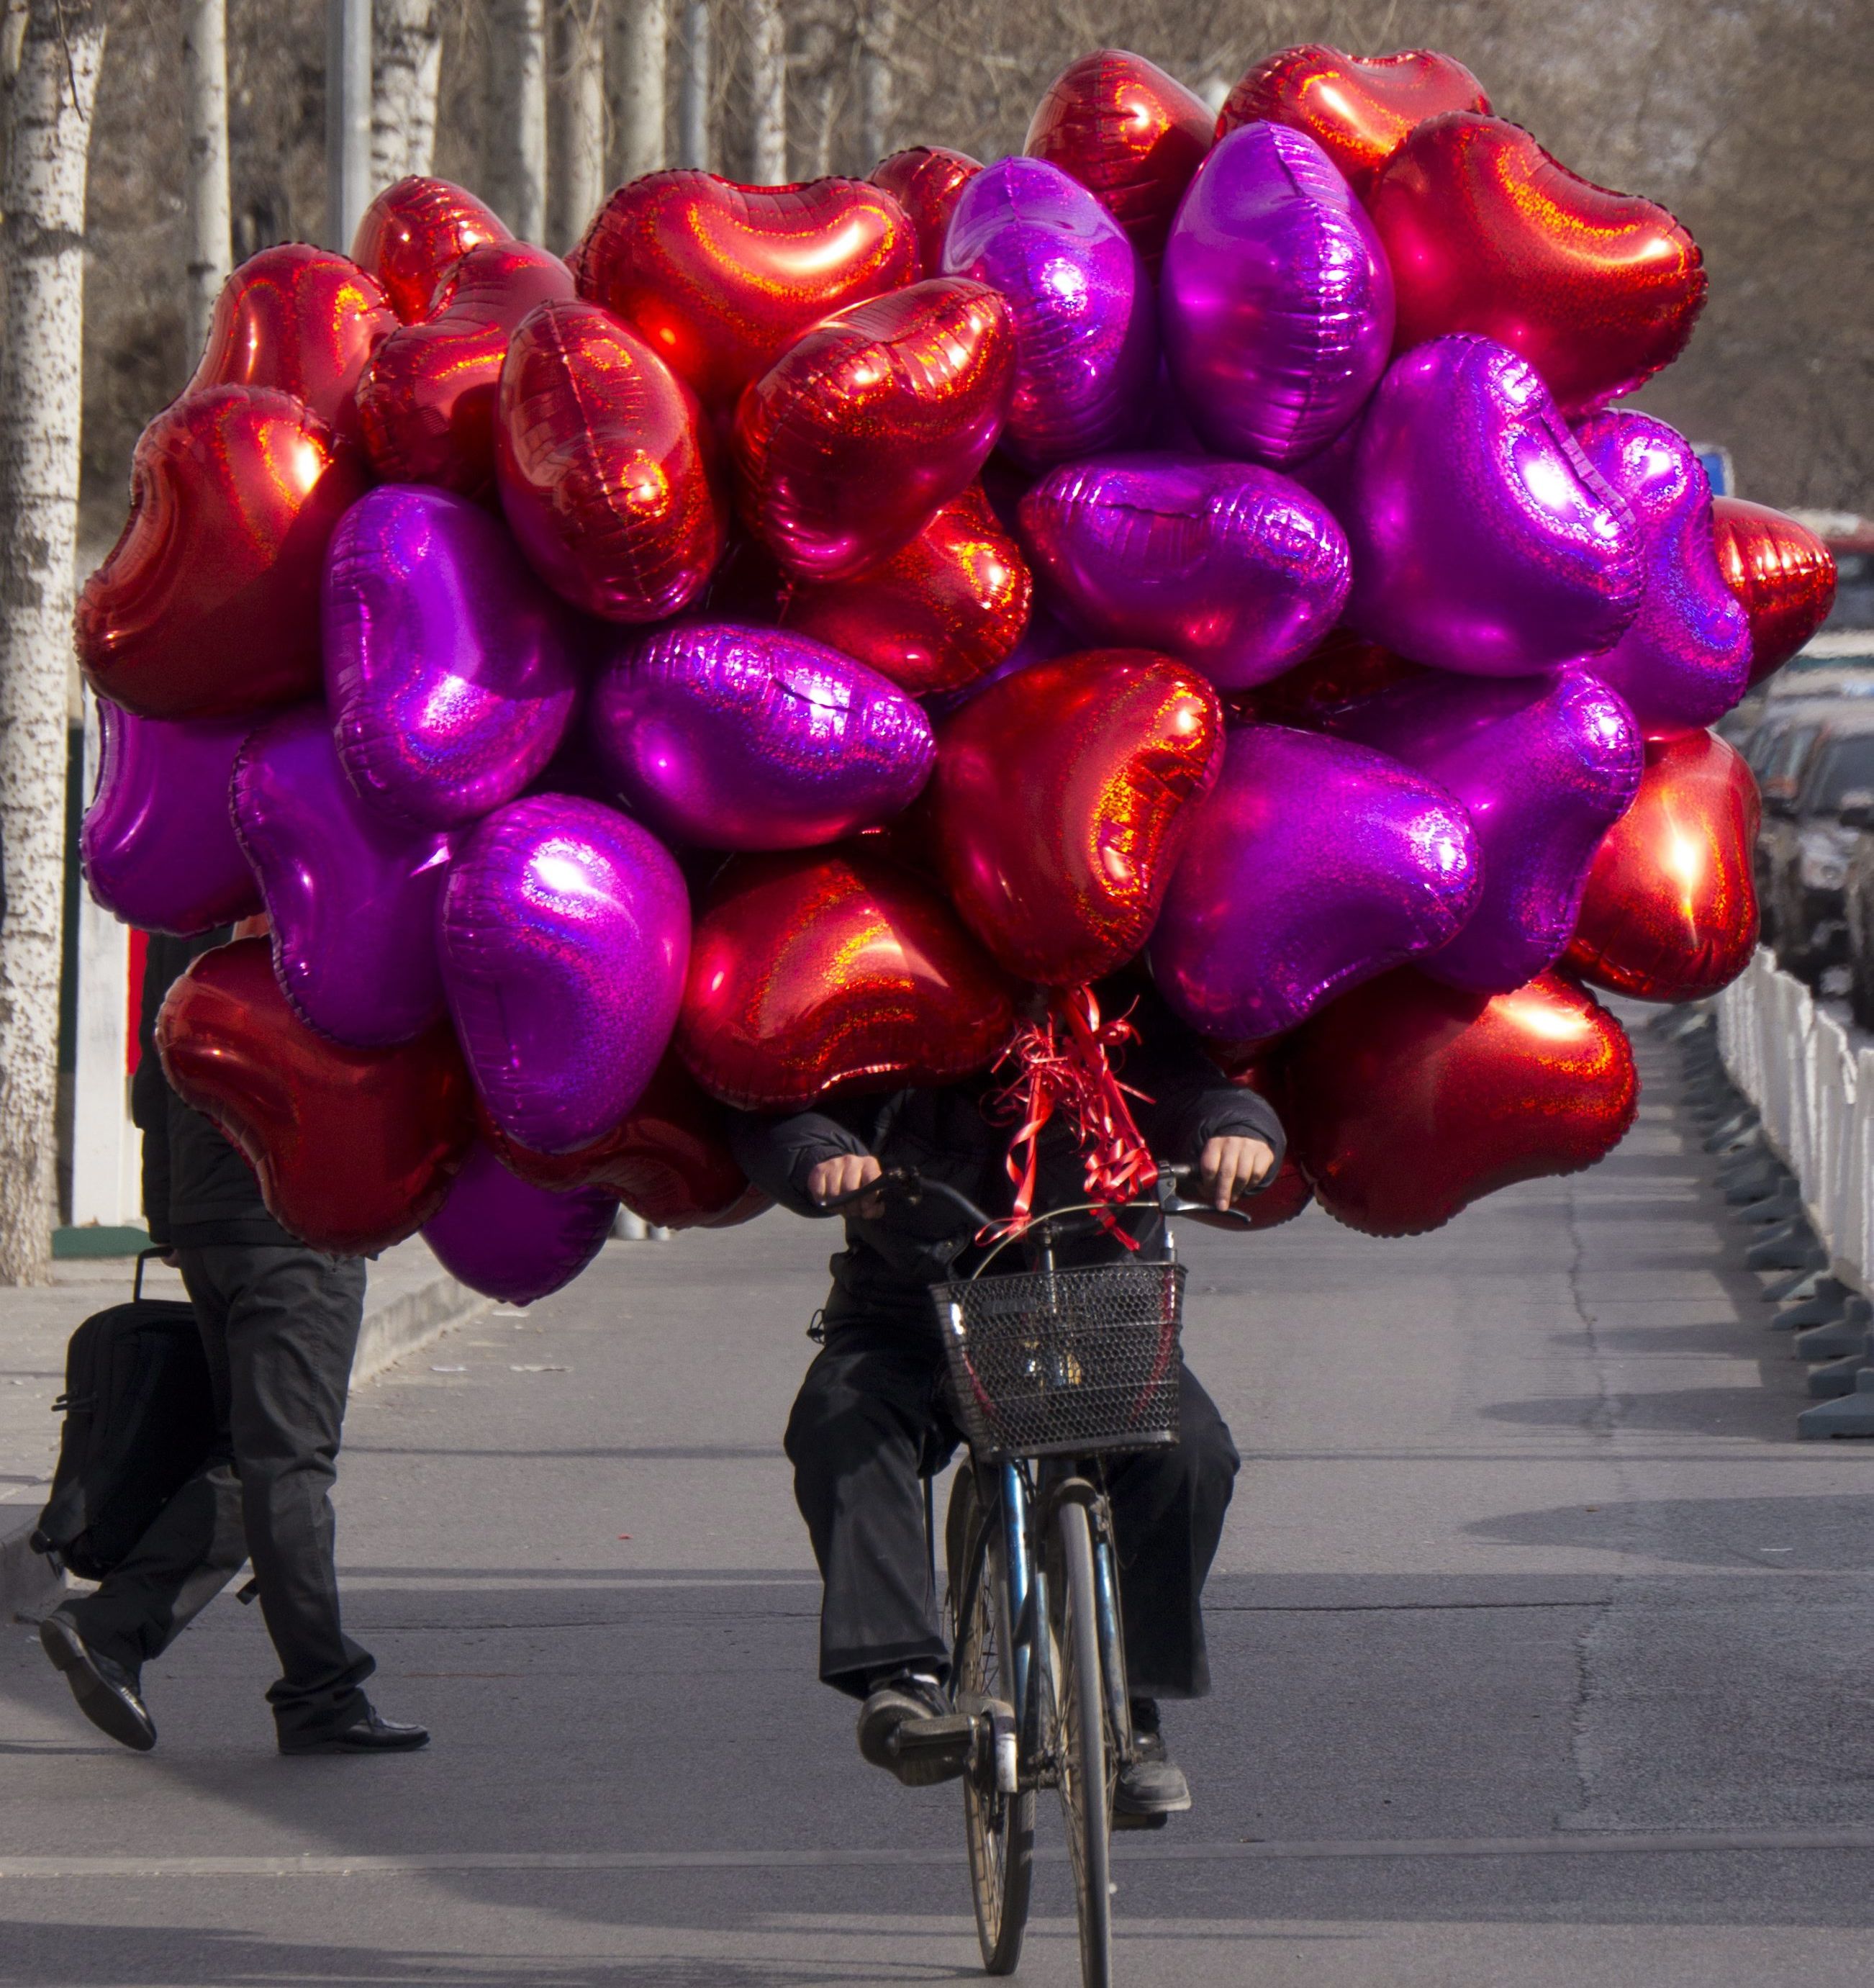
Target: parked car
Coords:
[[1813, 772], [1858, 908]]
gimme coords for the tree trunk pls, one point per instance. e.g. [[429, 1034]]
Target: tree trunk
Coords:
[[643, 53], [406, 57], [42, 310], [517, 117], [767, 68], [577, 180], [877, 32], [693, 99], [205, 61]]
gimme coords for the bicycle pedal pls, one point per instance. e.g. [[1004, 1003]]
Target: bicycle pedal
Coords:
[[928, 1740]]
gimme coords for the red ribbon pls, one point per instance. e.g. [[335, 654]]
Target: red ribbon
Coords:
[[1063, 1064]]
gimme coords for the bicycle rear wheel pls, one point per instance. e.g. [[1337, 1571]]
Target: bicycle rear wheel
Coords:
[[1086, 1760], [998, 1828]]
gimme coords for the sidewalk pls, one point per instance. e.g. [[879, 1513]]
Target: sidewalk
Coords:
[[409, 1300]]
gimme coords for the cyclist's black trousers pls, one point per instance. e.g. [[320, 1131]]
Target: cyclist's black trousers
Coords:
[[870, 1417]]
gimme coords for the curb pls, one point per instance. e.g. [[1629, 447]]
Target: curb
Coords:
[[402, 1324]]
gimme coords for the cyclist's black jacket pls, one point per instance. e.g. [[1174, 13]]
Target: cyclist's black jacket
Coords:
[[888, 1263]]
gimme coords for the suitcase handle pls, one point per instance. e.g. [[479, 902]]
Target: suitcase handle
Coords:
[[143, 1256]]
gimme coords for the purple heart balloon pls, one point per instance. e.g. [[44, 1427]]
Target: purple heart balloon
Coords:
[[1685, 659], [1086, 334], [514, 1241], [352, 897], [450, 668], [1484, 539], [158, 844], [1312, 864], [1276, 298], [1545, 766], [725, 737], [565, 933], [1232, 569]]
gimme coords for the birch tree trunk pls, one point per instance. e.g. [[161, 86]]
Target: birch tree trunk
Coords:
[[41, 312], [878, 31], [576, 180], [768, 89], [693, 96], [204, 62], [643, 52], [518, 118], [407, 59]]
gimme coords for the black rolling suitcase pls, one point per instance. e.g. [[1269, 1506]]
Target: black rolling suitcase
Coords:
[[139, 1410]]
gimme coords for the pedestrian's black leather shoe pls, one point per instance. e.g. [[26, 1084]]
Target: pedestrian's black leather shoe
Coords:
[[107, 1694], [373, 1733]]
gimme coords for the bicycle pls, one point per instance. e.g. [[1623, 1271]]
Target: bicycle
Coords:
[[1047, 1367]]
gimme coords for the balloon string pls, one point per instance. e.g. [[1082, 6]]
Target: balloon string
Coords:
[[1063, 1064]]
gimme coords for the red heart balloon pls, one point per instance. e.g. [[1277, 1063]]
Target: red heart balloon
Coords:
[[427, 400], [208, 605], [1344, 669], [1670, 910], [1132, 136], [925, 181], [934, 616], [411, 233], [825, 971], [872, 421], [602, 463], [355, 1148], [1061, 804], [1781, 573], [1358, 109], [1486, 233], [721, 278], [301, 319], [668, 1161], [1411, 1099]]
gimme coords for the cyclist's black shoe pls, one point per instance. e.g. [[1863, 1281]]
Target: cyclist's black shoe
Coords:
[[1152, 1788], [108, 1694], [906, 1727]]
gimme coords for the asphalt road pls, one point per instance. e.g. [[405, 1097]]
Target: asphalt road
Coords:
[[1542, 1651]]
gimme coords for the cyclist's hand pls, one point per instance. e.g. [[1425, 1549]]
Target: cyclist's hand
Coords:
[[1231, 1166], [831, 1178]]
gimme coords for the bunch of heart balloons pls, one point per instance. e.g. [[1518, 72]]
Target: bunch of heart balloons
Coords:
[[745, 660]]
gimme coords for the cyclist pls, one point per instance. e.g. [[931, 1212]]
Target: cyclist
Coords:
[[869, 1419]]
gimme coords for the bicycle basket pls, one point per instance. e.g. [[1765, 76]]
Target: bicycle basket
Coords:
[[1065, 1362]]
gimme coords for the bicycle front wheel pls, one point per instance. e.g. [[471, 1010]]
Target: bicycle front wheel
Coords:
[[1086, 1761]]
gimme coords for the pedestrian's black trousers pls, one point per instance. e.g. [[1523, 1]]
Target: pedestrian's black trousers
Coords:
[[869, 1417], [280, 1326]]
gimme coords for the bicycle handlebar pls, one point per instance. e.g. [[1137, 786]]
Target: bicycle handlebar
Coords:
[[912, 1185]]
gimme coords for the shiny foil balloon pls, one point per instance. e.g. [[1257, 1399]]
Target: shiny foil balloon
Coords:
[[1670, 910], [301, 319], [719, 279], [1359, 109], [208, 605], [1411, 1099], [1231, 568], [412, 232], [511, 1240], [1313, 865], [925, 181], [871, 422], [564, 932], [450, 668], [355, 1148], [1276, 298], [1545, 766], [1782, 575], [668, 1160], [1129, 132], [1483, 540], [1486, 233], [1341, 671], [723, 737], [158, 844], [1082, 304], [1685, 658], [936, 615], [426, 401], [1043, 639], [352, 897], [825, 971], [1062, 800], [603, 467]]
